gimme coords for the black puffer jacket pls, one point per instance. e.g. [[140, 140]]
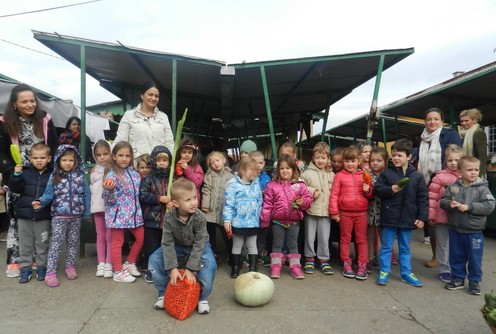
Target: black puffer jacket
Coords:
[[406, 206], [31, 185], [152, 187]]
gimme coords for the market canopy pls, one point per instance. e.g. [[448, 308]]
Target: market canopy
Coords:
[[473, 89], [228, 101], [386, 129]]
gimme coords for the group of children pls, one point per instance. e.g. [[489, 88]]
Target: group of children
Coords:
[[175, 225]]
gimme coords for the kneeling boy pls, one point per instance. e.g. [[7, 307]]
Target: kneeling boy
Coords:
[[184, 236]]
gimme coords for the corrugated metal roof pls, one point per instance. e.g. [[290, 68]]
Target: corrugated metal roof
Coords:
[[473, 89], [297, 88], [356, 130]]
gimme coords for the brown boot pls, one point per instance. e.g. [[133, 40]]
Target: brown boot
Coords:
[[432, 263]]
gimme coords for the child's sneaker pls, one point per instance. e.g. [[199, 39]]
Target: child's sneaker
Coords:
[[383, 278], [100, 269], [473, 288], [13, 270], [455, 284], [148, 276], [245, 263], [51, 280], [445, 277], [41, 273], [123, 277], [370, 267], [159, 305], [131, 268], [348, 270], [326, 268], [411, 279], [203, 307], [26, 274], [309, 267], [71, 273], [108, 272], [361, 272]]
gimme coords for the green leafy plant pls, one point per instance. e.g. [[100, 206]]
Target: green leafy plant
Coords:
[[179, 132]]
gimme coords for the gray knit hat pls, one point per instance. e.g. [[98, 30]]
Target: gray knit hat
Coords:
[[248, 146]]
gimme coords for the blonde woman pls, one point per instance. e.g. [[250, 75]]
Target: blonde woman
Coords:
[[473, 137]]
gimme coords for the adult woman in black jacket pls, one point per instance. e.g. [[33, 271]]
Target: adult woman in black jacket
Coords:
[[23, 123]]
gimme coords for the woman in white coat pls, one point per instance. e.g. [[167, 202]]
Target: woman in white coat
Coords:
[[145, 126]]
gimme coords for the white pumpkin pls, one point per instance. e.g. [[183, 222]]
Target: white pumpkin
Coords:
[[253, 289]]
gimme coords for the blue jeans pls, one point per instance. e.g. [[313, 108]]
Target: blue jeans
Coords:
[[404, 236], [465, 251], [205, 275]]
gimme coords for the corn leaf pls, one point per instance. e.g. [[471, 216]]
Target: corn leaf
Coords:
[[179, 131], [16, 154]]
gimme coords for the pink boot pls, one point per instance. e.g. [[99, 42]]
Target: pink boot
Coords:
[[275, 265], [295, 266]]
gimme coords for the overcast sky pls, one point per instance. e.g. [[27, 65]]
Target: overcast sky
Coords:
[[448, 36]]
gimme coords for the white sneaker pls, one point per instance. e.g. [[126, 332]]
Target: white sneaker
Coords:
[[108, 272], [131, 268], [203, 307], [123, 277], [427, 240], [100, 269], [159, 305], [13, 270]]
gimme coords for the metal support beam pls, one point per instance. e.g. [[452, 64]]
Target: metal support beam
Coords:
[[269, 112], [384, 139], [373, 116], [451, 107], [83, 103], [326, 116]]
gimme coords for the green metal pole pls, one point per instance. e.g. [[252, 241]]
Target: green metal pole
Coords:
[[324, 125], [452, 113], [384, 140], [174, 95], [299, 141], [83, 103], [373, 108], [269, 112]]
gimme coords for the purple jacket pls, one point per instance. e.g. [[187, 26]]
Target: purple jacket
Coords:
[[278, 199]]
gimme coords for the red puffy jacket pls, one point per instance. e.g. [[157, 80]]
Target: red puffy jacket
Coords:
[[347, 193]]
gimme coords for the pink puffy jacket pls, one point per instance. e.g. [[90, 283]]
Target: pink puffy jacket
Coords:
[[347, 193], [436, 190], [277, 202]]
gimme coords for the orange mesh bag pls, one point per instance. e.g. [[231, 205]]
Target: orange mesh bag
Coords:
[[181, 300]]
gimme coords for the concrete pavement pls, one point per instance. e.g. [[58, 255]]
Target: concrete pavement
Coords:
[[317, 304]]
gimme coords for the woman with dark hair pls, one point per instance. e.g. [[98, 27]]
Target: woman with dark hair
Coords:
[[145, 126], [72, 136], [23, 123], [434, 140]]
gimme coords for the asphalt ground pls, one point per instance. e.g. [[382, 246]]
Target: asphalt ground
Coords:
[[317, 304]]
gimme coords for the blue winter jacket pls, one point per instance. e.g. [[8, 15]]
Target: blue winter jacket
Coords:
[[406, 206], [243, 203], [30, 184]]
